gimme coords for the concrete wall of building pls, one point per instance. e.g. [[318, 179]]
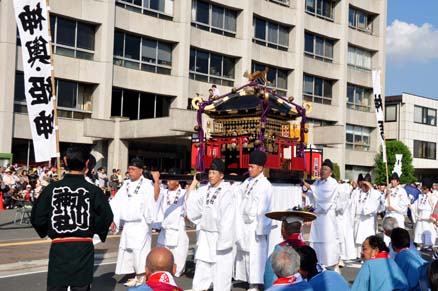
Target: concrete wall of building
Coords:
[[414, 131], [104, 75], [7, 74], [406, 130]]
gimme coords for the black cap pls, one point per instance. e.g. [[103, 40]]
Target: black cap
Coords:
[[257, 158], [360, 178], [426, 182], [217, 165], [137, 162], [395, 176], [328, 163], [367, 178], [174, 171]]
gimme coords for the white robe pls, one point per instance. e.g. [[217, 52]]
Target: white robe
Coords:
[[158, 211], [254, 200], [134, 213], [173, 227], [399, 201], [324, 233], [216, 235], [364, 211], [422, 209], [345, 225], [434, 194]]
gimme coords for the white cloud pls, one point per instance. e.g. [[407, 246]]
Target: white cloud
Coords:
[[407, 42]]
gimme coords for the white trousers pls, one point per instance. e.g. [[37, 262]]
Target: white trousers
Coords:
[[328, 253], [179, 252], [218, 273], [132, 261], [358, 251], [250, 266]]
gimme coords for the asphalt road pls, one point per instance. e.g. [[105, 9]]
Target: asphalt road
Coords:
[[23, 260], [104, 280]]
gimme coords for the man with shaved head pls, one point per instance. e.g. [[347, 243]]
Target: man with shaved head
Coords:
[[160, 268]]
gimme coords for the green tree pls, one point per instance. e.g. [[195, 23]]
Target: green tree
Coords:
[[336, 171], [394, 147]]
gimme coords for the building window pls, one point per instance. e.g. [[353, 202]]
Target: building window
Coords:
[[72, 38], [73, 98], [320, 122], [212, 68], [358, 98], [137, 105], [351, 172], [360, 20], [19, 95], [390, 113], [276, 76], [358, 138], [359, 58], [321, 8], [281, 2], [317, 90], [318, 47], [270, 34], [425, 115], [424, 150], [214, 18], [156, 8], [142, 53]]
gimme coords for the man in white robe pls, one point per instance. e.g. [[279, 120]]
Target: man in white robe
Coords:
[[254, 200], [397, 201], [364, 209], [343, 218], [171, 202], [324, 234], [133, 208], [435, 190], [212, 209], [355, 192], [422, 209]]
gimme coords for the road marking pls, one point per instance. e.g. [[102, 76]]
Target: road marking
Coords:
[[353, 265], [41, 241], [44, 241], [45, 271]]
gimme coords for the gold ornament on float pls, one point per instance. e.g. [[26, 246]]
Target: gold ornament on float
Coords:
[[308, 106], [196, 102]]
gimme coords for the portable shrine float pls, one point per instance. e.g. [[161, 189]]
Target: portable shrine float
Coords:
[[252, 117]]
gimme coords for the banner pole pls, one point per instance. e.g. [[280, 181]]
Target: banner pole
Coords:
[[387, 177], [385, 153], [54, 99]]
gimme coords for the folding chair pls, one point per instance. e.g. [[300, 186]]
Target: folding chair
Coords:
[[24, 212]]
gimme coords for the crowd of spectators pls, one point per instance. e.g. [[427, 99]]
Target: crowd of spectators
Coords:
[[19, 184]]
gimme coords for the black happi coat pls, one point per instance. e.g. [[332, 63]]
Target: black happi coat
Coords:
[[71, 207]]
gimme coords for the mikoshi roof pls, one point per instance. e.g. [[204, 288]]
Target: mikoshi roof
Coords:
[[242, 102]]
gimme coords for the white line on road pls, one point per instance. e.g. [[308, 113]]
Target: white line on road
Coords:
[[45, 271]]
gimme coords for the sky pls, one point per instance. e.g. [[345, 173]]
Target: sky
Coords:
[[412, 47]]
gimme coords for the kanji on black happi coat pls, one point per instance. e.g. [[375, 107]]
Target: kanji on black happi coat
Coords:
[[70, 212]]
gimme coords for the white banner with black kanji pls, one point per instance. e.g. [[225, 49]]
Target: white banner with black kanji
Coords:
[[398, 164], [378, 105], [31, 17]]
